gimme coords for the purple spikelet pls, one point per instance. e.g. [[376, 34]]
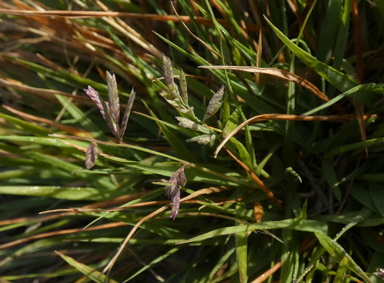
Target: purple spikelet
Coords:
[[124, 122], [175, 199], [380, 273], [215, 103], [104, 110], [91, 155], [173, 190], [182, 178]]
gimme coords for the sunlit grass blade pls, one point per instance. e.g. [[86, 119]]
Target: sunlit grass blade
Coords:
[[296, 224], [242, 255], [69, 193], [155, 261], [336, 78], [86, 270], [338, 252]]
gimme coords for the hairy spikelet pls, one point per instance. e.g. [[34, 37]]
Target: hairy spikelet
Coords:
[[187, 111], [165, 94], [175, 204], [380, 273], [186, 123], [173, 190], [214, 104], [174, 92], [104, 110], [113, 97], [171, 93], [173, 185], [96, 98], [91, 155], [167, 69], [182, 178], [203, 139], [127, 112]]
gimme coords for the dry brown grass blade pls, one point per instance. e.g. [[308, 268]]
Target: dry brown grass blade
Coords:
[[61, 232], [191, 196], [25, 219], [258, 210], [71, 130], [47, 94], [258, 58], [277, 73], [268, 273], [100, 14], [127, 30], [256, 179], [118, 200], [85, 209], [284, 117]]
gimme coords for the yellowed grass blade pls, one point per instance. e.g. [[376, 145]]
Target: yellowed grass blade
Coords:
[[285, 117], [276, 73]]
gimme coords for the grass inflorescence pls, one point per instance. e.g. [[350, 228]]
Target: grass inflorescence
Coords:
[[197, 141]]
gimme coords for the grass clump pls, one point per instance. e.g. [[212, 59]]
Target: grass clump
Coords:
[[275, 123]]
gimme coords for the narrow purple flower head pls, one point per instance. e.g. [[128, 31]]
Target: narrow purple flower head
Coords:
[[173, 190]]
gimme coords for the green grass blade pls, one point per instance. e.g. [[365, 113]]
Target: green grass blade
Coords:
[[340, 273], [220, 263], [338, 253], [68, 193], [354, 146], [336, 78], [37, 130], [329, 32], [155, 261], [380, 6], [359, 93], [242, 253], [86, 270], [295, 224]]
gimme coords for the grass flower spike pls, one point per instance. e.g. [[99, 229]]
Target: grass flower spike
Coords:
[[173, 190], [91, 155], [111, 112], [113, 98], [214, 104], [104, 110]]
